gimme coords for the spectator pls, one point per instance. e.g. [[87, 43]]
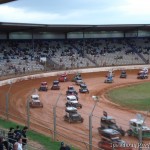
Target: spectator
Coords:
[[24, 136], [1, 143], [11, 136], [24, 69], [18, 144], [67, 147], [17, 133], [17, 130], [62, 147]]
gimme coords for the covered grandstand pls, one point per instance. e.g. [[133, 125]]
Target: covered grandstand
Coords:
[[25, 46]]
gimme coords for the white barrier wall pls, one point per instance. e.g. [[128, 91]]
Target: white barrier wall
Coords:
[[88, 70]]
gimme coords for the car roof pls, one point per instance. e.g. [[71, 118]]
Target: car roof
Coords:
[[110, 131], [43, 82], [71, 90], [71, 97], [137, 121], [55, 81], [107, 118], [78, 77], [63, 75], [74, 101], [70, 86], [35, 96], [83, 84], [71, 108]]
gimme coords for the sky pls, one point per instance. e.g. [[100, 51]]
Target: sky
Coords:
[[78, 12]]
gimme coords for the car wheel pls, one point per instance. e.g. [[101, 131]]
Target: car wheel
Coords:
[[129, 132], [69, 120], [82, 120]]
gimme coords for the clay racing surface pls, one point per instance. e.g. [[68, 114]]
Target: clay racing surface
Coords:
[[77, 134]]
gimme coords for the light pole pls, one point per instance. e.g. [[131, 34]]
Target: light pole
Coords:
[[96, 99], [7, 100], [54, 115], [28, 107], [28, 112]]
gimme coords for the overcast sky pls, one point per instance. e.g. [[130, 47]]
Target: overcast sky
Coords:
[[90, 12]]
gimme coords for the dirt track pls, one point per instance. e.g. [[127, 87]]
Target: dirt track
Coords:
[[76, 134]]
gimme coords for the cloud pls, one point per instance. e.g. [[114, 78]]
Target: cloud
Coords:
[[135, 7], [12, 14], [21, 15], [85, 12]]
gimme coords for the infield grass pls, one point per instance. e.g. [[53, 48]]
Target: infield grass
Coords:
[[133, 96]]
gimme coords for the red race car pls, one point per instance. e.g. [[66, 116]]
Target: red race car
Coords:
[[63, 78]]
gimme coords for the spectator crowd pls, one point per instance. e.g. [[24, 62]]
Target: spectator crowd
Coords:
[[16, 139], [23, 56]]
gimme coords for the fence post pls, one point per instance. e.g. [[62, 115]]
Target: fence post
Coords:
[[7, 106], [54, 113], [28, 113], [7, 100], [96, 99], [140, 138], [54, 116], [90, 132]]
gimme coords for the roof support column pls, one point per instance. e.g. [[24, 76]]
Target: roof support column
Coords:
[[32, 45], [7, 35], [137, 33], [65, 36], [124, 34], [83, 48]]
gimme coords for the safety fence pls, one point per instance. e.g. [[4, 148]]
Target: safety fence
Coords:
[[53, 126]]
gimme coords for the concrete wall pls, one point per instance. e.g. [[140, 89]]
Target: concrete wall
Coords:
[[88, 70]]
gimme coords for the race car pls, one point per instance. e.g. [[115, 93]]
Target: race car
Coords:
[[43, 86], [63, 78]]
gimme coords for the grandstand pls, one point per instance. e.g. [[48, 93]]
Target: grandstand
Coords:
[[70, 46], [23, 47]]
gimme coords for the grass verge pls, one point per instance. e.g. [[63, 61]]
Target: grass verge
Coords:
[[133, 97]]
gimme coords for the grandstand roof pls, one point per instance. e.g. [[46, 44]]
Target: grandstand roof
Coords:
[[23, 27], [5, 1]]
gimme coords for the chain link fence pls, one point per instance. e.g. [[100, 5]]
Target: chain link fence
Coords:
[[50, 123]]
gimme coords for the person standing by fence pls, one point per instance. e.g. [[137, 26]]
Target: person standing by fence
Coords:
[[18, 144]]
